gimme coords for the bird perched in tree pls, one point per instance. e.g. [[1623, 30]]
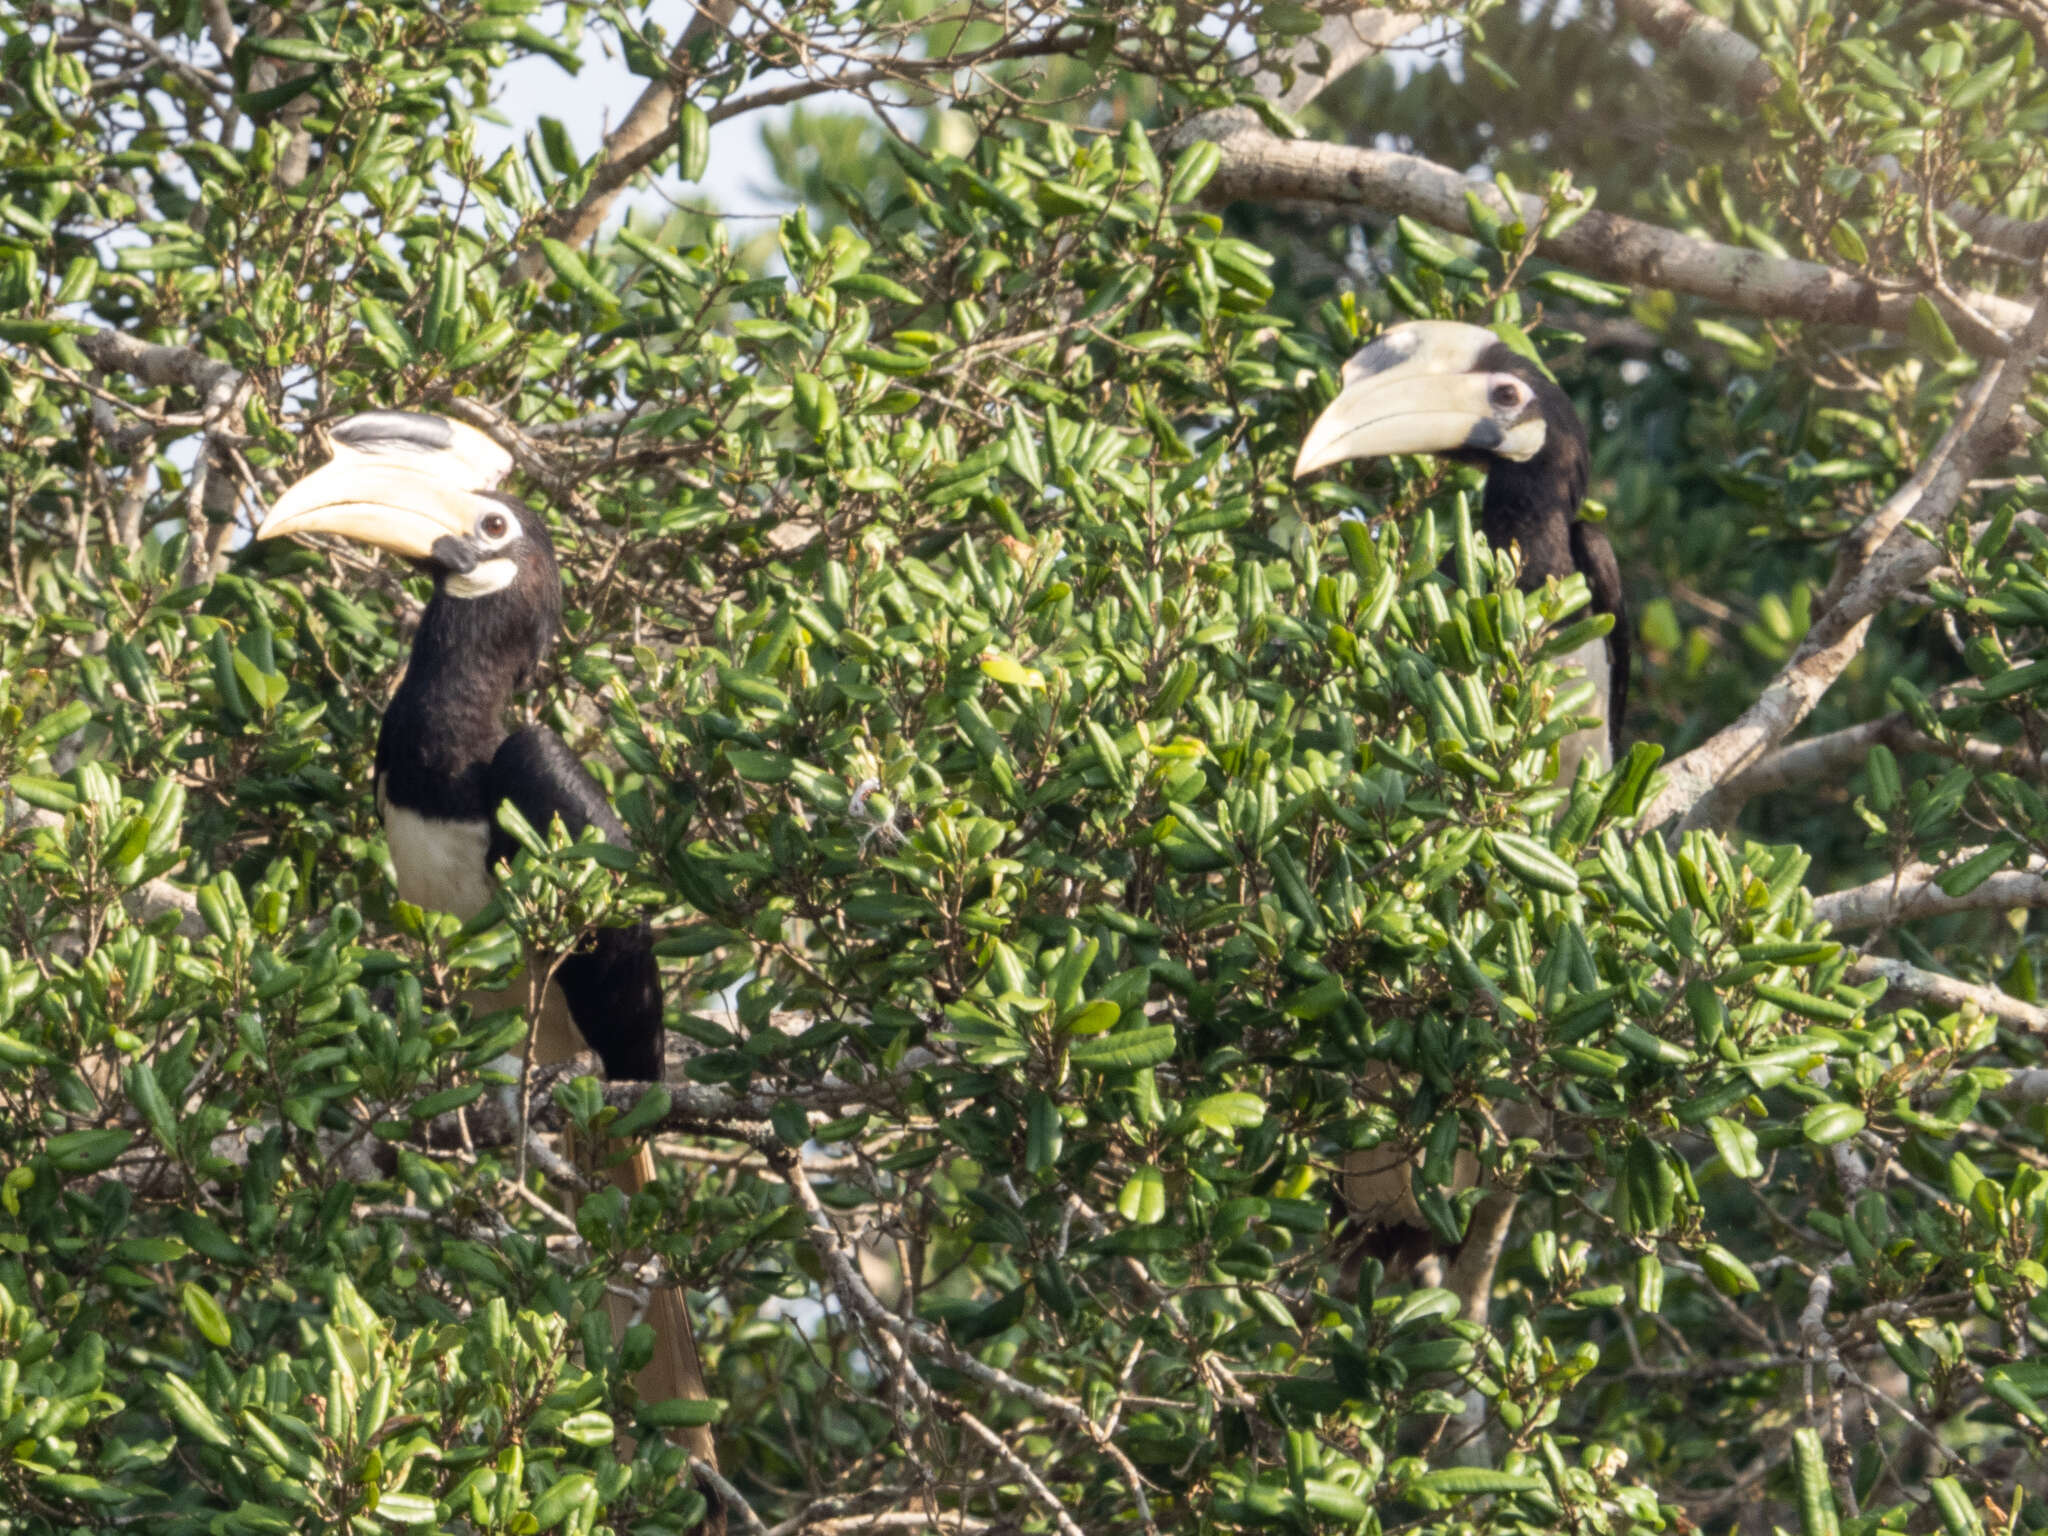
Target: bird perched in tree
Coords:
[[1459, 391], [1462, 393], [425, 488]]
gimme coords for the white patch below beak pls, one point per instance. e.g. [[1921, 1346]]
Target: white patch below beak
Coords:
[[486, 577]]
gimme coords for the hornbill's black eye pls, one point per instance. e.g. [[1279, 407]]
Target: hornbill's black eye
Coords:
[[495, 525], [1506, 395]]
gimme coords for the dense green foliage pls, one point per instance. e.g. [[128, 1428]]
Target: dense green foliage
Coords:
[[1069, 836]]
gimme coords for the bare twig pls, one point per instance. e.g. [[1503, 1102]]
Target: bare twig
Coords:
[[1348, 39], [895, 1333], [730, 1496], [649, 118]]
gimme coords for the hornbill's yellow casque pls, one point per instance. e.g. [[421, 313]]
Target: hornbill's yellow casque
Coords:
[[426, 488], [1461, 392]]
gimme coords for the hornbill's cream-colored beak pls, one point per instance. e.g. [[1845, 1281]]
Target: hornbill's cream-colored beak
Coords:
[[1421, 388], [399, 481]]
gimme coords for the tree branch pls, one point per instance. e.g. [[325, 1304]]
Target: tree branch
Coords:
[[1731, 60], [1881, 560], [1841, 752], [1912, 893], [163, 366], [1948, 992], [1348, 39], [626, 147], [1486, 1235], [1256, 165], [896, 1333]]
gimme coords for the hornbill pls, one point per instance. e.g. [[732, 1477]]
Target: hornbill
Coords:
[[425, 488], [1459, 391], [1462, 393]]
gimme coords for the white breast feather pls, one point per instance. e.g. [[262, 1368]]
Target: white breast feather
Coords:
[[440, 864], [1590, 660], [441, 867]]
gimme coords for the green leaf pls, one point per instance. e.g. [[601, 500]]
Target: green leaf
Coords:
[[569, 1494], [1928, 330], [760, 767], [681, 1412], [1470, 1482], [693, 141], [648, 1111], [1124, 1050], [88, 1151], [205, 1314], [570, 268], [1094, 1018], [1736, 1144], [1192, 171], [1816, 1498], [299, 50], [407, 1508], [1229, 1111], [1143, 1198], [1826, 1124], [1965, 877], [590, 1428], [1730, 1276], [1008, 671], [1535, 863]]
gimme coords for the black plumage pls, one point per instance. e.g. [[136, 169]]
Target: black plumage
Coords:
[[444, 755], [1462, 393], [426, 488], [1534, 504]]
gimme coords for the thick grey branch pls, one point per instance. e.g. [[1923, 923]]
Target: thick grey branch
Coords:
[[1348, 38], [1883, 560], [626, 147], [1912, 893], [1841, 752], [2028, 1086], [1727, 57], [1259, 166], [165, 367], [1947, 992]]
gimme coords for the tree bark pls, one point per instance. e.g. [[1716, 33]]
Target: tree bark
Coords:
[[1881, 561], [1947, 992], [1259, 166], [1912, 893], [630, 148]]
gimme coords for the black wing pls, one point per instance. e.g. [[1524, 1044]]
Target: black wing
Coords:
[[1594, 556], [611, 984]]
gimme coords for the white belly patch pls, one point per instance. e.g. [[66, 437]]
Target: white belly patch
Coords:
[[1590, 661], [440, 864]]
